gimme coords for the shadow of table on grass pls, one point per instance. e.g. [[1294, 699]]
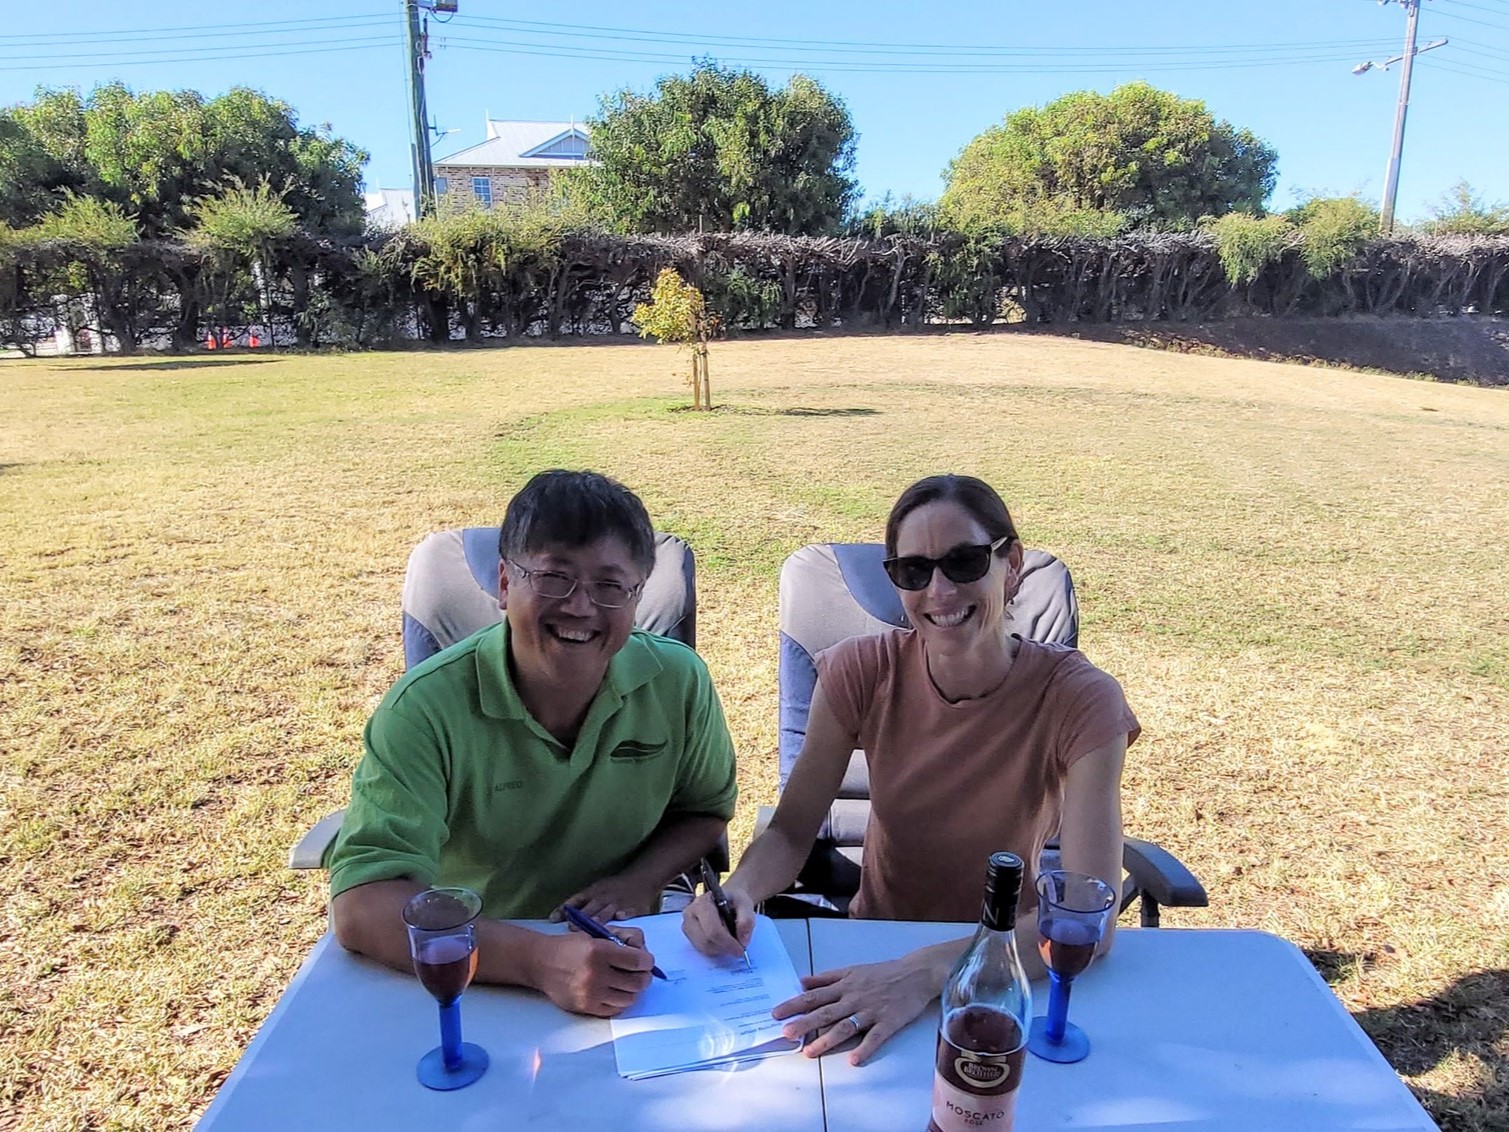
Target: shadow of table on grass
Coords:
[[1467, 1020]]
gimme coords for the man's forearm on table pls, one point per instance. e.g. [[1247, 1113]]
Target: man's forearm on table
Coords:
[[369, 920]]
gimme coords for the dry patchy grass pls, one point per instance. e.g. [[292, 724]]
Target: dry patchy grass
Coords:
[[1298, 575]]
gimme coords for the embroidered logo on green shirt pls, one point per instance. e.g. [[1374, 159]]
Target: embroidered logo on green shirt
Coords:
[[633, 749]]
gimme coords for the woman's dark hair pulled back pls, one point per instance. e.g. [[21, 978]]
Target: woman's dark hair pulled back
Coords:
[[974, 495]]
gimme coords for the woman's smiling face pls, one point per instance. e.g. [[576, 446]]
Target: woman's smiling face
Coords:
[[948, 613]]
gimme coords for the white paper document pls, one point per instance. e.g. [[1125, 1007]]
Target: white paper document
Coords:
[[706, 1012]]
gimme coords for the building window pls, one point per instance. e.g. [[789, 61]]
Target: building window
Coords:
[[442, 186], [482, 189]]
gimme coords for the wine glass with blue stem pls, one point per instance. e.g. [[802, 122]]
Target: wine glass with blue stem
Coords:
[[1072, 913], [443, 943]]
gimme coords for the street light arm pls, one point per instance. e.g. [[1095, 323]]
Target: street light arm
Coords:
[[1364, 68]]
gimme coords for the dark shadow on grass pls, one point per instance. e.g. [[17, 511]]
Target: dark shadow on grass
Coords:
[[1469, 348], [181, 363], [1337, 965], [763, 411], [1469, 1017], [802, 412]]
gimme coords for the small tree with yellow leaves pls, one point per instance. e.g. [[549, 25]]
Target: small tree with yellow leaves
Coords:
[[678, 313]]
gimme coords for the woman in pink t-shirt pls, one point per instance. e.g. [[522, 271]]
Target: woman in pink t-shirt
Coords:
[[976, 739]]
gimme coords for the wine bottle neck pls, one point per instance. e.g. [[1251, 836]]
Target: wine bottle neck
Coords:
[[999, 917], [1004, 937]]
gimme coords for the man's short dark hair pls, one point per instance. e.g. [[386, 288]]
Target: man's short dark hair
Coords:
[[572, 509]]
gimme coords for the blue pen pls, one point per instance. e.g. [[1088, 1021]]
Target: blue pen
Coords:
[[593, 928]]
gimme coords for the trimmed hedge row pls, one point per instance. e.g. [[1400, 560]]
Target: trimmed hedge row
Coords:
[[489, 280]]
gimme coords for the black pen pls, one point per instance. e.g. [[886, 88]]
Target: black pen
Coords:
[[725, 909], [593, 928]]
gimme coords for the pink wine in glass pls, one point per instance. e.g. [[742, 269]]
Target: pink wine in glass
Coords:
[[1066, 945], [446, 966]]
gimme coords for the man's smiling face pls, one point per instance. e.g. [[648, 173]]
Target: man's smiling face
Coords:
[[572, 638]]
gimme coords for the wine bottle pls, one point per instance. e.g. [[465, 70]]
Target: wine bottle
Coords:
[[986, 1012]]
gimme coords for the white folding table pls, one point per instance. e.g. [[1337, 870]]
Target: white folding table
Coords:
[[1227, 1030], [339, 1050], [1222, 1030]]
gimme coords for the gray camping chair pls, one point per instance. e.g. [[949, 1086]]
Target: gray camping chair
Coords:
[[450, 591], [832, 591]]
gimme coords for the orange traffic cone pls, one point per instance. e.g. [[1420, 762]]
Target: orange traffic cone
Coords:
[[253, 342], [209, 342]]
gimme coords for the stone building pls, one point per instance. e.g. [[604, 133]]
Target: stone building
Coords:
[[515, 158]]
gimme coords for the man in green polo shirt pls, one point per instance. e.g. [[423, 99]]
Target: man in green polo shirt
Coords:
[[561, 756]]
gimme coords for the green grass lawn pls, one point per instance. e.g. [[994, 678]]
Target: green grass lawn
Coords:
[[1297, 574]]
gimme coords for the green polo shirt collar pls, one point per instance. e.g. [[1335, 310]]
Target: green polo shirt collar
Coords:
[[632, 667]]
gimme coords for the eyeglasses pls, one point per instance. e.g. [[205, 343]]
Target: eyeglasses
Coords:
[[549, 584], [960, 565]]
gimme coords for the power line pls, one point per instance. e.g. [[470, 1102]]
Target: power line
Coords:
[[509, 47], [1457, 69], [860, 46], [1473, 20], [1474, 7], [172, 54], [1478, 72], [98, 35], [870, 47], [1502, 60], [228, 53], [1485, 48]]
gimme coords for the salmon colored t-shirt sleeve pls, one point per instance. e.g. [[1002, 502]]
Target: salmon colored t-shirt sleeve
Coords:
[[848, 673], [1092, 710]]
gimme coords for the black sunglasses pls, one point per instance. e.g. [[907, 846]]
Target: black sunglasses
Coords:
[[960, 565]]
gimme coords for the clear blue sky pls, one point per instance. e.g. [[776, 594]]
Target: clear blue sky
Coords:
[[1279, 67]]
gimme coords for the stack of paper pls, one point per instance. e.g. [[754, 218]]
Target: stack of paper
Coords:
[[706, 1012]]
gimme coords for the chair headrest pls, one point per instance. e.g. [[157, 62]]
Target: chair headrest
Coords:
[[832, 591], [450, 590]]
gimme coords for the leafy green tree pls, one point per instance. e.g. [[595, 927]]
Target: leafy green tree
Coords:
[[496, 267], [890, 217], [1461, 212], [678, 313], [1333, 231], [20, 301], [155, 153], [241, 229], [1247, 244], [32, 181], [1145, 155], [719, 150], [94, 240]]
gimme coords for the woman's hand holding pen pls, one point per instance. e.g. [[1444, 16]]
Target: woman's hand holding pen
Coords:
[[704, 926], [592, 976]]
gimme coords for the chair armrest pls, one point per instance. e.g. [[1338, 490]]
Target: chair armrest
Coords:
[[717, 856], [1161, 875], [309, 853], [762, 820]]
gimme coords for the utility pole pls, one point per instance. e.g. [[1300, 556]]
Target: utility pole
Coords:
[[417, 48], [1401, 112], [1391, 181]]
